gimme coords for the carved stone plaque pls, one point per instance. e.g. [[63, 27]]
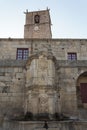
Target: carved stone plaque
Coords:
[[43, 64], [43, 104]]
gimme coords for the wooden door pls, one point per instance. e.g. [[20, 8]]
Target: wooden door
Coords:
[[83, 92]]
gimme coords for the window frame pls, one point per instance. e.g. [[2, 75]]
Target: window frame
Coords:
[[72, 56], [22, 53]]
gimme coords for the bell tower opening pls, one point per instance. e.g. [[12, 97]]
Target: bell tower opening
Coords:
[[36, 19]]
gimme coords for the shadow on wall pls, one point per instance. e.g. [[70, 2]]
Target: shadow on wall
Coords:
[[41, 117]]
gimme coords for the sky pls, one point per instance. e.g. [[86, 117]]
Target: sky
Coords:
[[69, 17]]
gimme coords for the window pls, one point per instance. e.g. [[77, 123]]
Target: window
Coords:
[[72, 56], [22, 53], [37, 19]]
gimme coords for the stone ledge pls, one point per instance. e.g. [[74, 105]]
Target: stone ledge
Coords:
[[59, 63], [66, 63], [12, 63]]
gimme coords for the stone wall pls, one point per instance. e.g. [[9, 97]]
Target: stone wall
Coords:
[[14, 76], [12, 84], [53, 125], [59, 47]]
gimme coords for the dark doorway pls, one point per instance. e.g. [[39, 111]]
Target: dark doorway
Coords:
[[83, 87]]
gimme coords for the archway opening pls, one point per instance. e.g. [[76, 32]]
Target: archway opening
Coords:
[[81, 90]]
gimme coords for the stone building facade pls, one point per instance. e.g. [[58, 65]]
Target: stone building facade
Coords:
[[43, 75], [47, 81]]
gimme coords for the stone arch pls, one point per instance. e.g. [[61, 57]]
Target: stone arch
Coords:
[[81, 90]]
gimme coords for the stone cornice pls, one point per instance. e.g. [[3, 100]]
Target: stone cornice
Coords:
[[49, 56], [12, 63], [46, 87], [58, 63], [66, 63]]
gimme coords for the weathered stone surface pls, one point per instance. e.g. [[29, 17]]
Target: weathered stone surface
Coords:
[[55, 125], [47, 71], [39, 30]]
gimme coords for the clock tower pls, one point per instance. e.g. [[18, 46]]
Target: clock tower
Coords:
[[38, 24]]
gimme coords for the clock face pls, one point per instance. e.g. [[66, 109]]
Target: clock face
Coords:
[[36, 28]]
